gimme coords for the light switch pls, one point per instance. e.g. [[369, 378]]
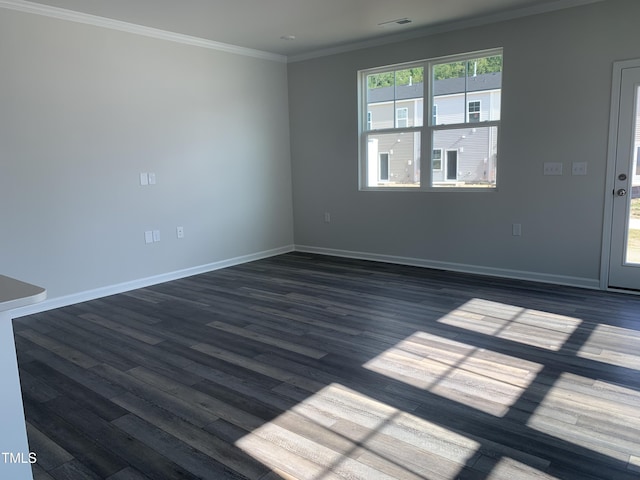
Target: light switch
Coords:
[[579, 168], [516, 229], [144, 179], [156, 235], [552, 168], [148, 236], [152, 178]]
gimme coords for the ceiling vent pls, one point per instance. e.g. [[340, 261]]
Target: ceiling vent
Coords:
[[398, 21]]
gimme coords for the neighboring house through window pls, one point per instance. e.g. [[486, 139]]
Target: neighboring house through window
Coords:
[[448, 106]]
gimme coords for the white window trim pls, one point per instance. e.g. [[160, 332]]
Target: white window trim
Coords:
[[406, 117], [441, 159], [479, 112]]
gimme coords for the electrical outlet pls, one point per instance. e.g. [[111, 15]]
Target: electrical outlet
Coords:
[[327, 217], [552, 168], [180, 232]]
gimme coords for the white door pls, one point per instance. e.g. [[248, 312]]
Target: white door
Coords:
[[624, 261]]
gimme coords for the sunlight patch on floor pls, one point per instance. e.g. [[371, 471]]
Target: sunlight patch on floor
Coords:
[[478, 378], [339, 432], [613, 345], [523, 325], [580, 411]]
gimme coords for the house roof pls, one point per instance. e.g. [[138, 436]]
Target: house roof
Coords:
[[449, 86]]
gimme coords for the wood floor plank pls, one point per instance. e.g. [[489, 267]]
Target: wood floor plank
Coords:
[[89, 455], [197, 438], [191, 412], [50, 455], [269, 340], [62, 350], [193, 461], [131, 451], [71, 389]]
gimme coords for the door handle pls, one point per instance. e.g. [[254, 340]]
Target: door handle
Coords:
[[621, 192]]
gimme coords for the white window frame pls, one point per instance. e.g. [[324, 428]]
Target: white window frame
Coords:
[[405, 117], [428, 127], [469, 112], [433, 150]]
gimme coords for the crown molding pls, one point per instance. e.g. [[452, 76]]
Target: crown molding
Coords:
[[77, 17], [443, 28]]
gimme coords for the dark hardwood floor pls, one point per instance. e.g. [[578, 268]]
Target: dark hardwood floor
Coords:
[[310, 367]]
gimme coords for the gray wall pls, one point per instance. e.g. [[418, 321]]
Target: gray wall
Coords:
[[84, 110], [555, 107]]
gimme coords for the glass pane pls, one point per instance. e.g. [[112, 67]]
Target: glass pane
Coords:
[[633, 237], [395, 98], [408, 96], [468, 91], [393, 159], [464, 157], [449, 87]]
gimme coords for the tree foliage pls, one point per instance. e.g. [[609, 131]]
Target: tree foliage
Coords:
[[476, 66], [409, 76]]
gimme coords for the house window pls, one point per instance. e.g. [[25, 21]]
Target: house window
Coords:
[[402, 117], [462, 102], [383, 169], [474, 112], [436, 160]]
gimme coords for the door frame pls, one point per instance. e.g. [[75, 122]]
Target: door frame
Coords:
[[616, 94]]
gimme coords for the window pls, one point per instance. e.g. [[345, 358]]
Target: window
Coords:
[[459, 123], [402, 117], [474, 112], [436, 159]]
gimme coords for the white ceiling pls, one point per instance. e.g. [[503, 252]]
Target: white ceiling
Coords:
[[318, 25]]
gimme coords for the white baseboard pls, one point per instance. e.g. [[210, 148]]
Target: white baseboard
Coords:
[[457, 267], [85, 296]]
